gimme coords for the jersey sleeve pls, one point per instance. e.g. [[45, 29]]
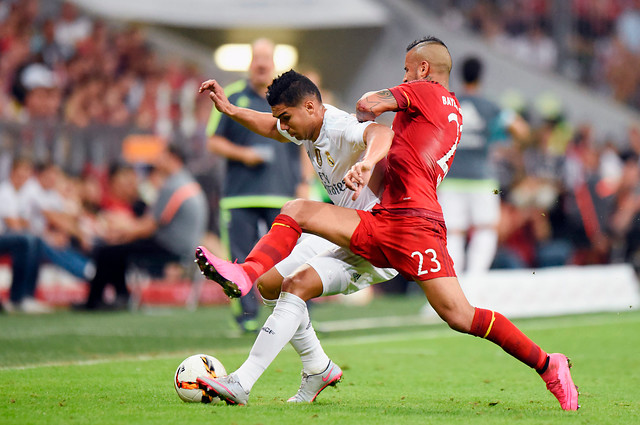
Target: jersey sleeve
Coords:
[[286, 135], [401, 95], [354, 132]]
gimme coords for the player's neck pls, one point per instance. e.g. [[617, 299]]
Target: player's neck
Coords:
[[443, 81], [318, 127]]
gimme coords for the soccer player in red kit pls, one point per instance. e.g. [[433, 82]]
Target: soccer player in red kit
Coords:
[[406, 230]]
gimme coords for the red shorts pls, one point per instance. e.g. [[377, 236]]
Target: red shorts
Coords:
[[416, 246]]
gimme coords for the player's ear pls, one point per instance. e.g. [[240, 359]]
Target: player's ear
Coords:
[[425, 67], [309, 106]]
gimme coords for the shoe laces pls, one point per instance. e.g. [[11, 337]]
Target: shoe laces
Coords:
[[305, 378]]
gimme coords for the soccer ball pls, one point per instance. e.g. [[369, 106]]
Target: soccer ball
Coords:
[[186, 374]]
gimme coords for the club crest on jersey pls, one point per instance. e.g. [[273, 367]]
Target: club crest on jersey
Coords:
[[318, 157], [330, 159]]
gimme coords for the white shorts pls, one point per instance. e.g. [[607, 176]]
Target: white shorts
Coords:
[[341, 271]]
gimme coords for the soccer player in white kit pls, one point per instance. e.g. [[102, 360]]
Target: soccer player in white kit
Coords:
[[334, 141]]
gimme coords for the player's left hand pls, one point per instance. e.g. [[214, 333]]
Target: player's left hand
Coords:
[[358, 177], [216, 94]]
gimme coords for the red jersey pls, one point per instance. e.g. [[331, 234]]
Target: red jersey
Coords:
[[427, 131]]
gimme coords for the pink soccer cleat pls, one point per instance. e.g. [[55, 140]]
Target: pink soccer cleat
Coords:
[[559, 382], [230, 276]]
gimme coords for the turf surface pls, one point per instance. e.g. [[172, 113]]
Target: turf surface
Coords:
[[117, 369]]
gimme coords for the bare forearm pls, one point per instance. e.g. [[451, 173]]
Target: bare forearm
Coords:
[[378, 139], [261, 123]]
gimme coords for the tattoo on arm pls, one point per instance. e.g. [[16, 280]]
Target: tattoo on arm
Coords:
[[381, 97]]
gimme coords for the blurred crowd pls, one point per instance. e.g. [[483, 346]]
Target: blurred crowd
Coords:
[[73, 89], [568, 198], [73, 93], [594, 42], [76, 87]]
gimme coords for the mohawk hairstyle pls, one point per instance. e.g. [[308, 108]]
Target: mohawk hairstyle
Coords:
[[290, 89], [428, 40]]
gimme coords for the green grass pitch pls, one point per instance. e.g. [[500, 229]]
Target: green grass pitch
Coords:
[[118, 369]]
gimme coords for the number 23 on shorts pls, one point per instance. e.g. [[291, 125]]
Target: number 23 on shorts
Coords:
[[427, 259]]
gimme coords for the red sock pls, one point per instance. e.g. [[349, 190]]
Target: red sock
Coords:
[[498, 329], [273, 247]]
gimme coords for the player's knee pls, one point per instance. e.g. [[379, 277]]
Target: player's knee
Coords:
[[296, 210], [291, 208], [301, 285], [268, 288], [292, 284]]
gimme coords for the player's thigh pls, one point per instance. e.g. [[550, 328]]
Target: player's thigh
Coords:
[[455, 209], [308, 246], [332, 222], [343, 272], [304, 283], [447, 299], [485, 211]]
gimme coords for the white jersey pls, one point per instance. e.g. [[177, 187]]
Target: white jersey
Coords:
[[340, 144]]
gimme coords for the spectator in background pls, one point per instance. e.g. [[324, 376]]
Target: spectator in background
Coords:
[[168, 233], [589, 204], [71, 28], [23, 248], [471, 181], [261, 174], [44, 205], [625, 223]]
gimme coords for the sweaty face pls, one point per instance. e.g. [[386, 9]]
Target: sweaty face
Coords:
[[296, 120]]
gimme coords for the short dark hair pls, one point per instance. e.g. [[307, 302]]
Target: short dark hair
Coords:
[[429, 39], [471, 69], [290, 89]]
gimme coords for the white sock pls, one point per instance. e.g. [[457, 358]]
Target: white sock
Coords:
[[455, 245], [279, 328], [269, 303], [306, 343], [482, 250]]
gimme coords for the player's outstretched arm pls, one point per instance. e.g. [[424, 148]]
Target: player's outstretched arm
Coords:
[[378, 139], [373, 104], [259, 122]]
